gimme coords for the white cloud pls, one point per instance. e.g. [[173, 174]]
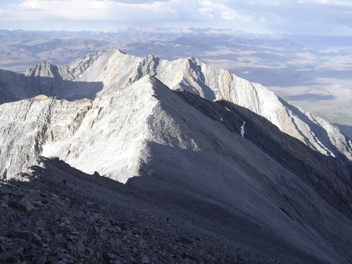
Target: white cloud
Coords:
[[89, 10], [261, 20], [34, 4], [286, 16], [328, 2], [216, 9]]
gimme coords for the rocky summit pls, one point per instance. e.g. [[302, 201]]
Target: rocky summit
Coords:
[[120, 159]]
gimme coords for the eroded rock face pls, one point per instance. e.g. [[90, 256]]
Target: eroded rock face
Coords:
[[104, 135], [27, 125], [104, 73]]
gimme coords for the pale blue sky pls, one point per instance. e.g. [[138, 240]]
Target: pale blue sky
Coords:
[[327, 17]]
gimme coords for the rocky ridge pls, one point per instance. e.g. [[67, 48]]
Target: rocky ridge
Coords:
[[103, 73]]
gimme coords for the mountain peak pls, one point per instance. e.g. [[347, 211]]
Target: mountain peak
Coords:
[[44, 69], [103, 73]]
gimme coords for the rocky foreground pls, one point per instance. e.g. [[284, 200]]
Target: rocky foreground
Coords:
[[52, 217]]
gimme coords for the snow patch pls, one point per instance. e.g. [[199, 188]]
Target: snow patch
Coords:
[[242, 129], [47, 150]]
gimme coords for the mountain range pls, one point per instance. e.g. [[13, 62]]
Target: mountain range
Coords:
[[194, 140], [307, 71]]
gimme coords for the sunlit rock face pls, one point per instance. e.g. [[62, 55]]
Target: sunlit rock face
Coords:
[[106, 72]]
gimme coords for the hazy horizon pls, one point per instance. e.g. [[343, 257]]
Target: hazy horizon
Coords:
[[307, 17]]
